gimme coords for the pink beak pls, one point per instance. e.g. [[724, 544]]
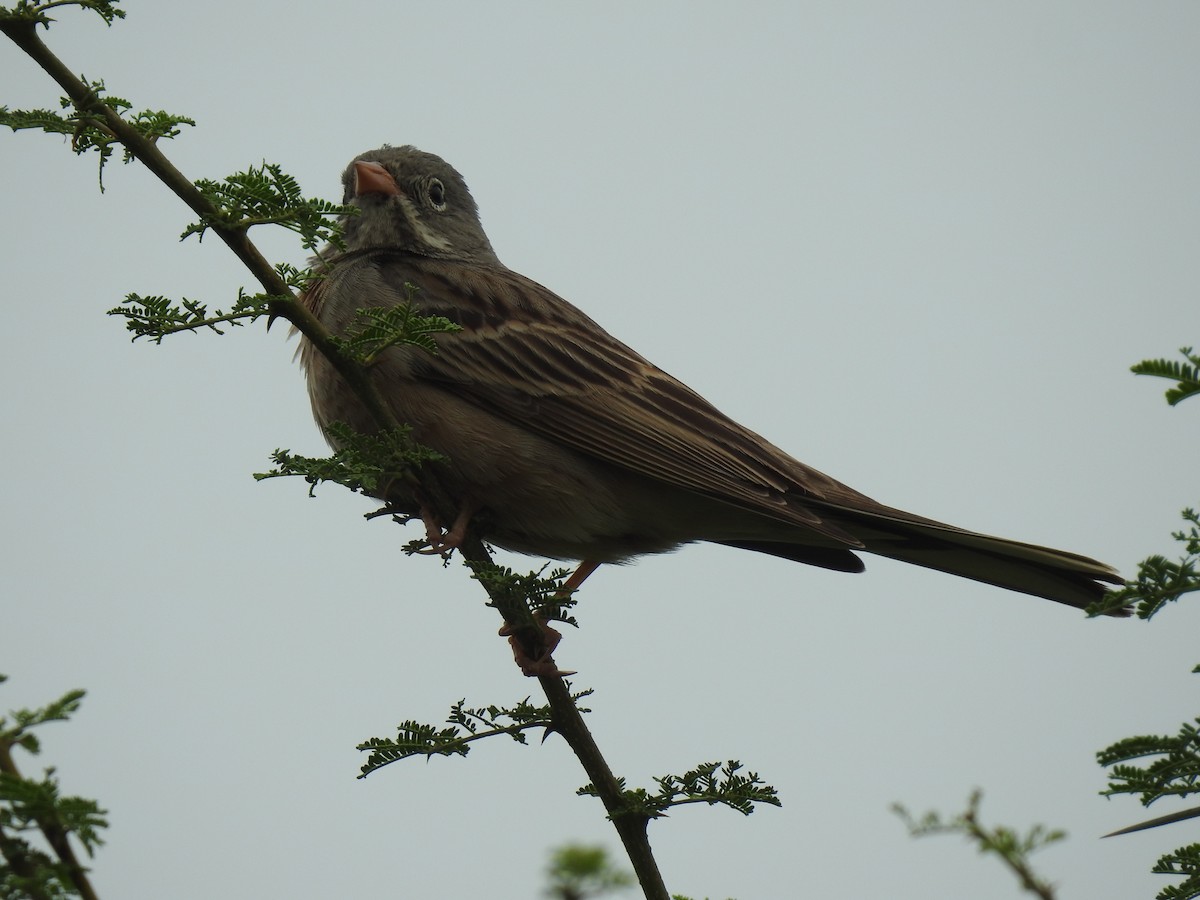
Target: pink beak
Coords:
[[372, 178]]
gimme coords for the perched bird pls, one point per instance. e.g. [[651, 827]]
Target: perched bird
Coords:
[[563, 442]]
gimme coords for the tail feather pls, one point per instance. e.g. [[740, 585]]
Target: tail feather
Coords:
[[1028, 568]]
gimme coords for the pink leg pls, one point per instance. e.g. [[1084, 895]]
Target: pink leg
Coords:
[[579, 576]]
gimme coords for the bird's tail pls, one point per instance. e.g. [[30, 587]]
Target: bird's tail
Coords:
[[1041, 571], [1053, 574]]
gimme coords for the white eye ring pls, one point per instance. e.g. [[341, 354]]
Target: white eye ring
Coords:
[[436, 192]]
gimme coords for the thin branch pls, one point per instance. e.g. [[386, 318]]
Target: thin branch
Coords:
[[568, 722], [1012, 848], [630, 827]]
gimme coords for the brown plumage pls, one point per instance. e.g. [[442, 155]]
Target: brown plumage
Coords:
[[571, 445]]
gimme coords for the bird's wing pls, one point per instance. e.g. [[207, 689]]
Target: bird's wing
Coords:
[[526, 354]]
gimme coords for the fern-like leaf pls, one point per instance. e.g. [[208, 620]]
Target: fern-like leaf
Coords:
[[711, 783], [1174, 771], [156, 317], [1159, 580], [36, 12], [467, 725], [266, 195], [87, 128], [1184, 861], [1187, 374], [378, 328], [364, 463]]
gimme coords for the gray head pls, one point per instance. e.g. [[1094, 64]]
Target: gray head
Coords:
[[414, 201]]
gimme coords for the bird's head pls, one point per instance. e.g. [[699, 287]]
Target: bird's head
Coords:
[[413, 201]]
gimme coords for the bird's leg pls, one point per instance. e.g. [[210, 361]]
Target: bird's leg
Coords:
[[578, 577], [444, 541]]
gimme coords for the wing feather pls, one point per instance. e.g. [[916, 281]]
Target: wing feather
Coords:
[[530, 356]]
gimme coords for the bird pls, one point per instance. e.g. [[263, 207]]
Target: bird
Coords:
[[561, 441]]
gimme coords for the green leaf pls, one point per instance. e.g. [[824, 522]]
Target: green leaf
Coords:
[[35, 807], [1184, 861], [576, 872], [35, 12], [542, 595], [156, 317], [266, 195], [59, 710], [1173, 772], [711, 783], [1160, 581], [364, 463], [87, 128], [1187, 374], [378, 328], [467, 725]]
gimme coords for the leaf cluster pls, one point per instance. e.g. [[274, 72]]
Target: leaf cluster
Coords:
[[20, 732], [156, 317], [35, 807], [364, 463], [576, 873], [466, 725], [1184, 861], [1159, 580], [1012, 847], [1186, 374], [711, 783], [1173, 772], [35, 11], [543, 597], [1173, 769], [88, 129], [266, 195], [377, 328]]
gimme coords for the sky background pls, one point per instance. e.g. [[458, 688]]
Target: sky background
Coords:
[[918, 245]]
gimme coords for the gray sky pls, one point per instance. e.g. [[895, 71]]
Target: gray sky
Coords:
[[918, 245]]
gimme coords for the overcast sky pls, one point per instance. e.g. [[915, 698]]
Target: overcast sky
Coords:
[[918, 245]]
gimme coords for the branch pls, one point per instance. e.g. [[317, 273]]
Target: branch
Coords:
[[1013, 850], [567, 720]]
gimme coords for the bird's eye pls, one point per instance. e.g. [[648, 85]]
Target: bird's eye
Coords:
[[437, 195]]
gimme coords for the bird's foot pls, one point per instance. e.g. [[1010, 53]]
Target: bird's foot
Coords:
[[537, 660], [443, 542]]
